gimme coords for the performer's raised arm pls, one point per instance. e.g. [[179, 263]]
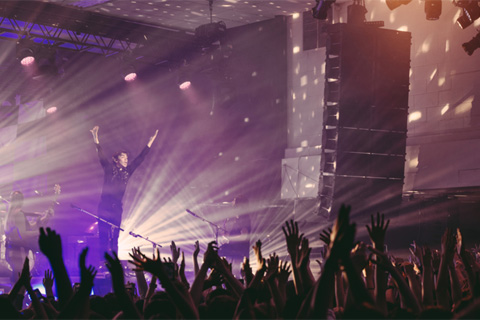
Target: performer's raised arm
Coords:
[[94, 132], [139, 159], [103, 159], [150, 141], [118, 171]]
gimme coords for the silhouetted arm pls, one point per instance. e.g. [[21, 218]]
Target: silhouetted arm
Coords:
[[118, 282], [195, 257], [25, 278], [140, 276], [293, 240], [51, 246], [318, 300], [181, 298], [377, 233], [208, 260], [79, 306], [427, 277], [408, 297], [443, 281]]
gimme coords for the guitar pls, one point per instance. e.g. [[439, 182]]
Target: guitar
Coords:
[[24, 231], [42, 221]]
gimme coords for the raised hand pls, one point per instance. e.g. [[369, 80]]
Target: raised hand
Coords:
[[118, 282], [154, 265], [427, 279], [48, 282], [196, 251], [223, 265], [246, 271], [359, 256], [283, 271], [25, 277], [343, 235], [152, 138], [94, 132], [448, 245], [415, 253], [383, 260], [136, 252], [303, 258], [426, 256], [257, 249], [211, 255], [214, 278], [325, 235], [175, 252], [443, 285], [140, 276], [178, 293], [272, 266], [87, 274], [181, 272], [292, 238], [50, 244], [116, 270], [282, 279], [182, 264], [377, 231]]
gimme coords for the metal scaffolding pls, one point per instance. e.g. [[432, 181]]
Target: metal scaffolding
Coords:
[[78, 30]]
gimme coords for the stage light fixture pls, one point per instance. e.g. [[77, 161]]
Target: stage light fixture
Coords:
[[433, 9], [25, 52], [184, 80], [26, 57], [51, 109], [393, 4], [470, 13], [472, 45], [184, 85], [321, 9], [129, 73]]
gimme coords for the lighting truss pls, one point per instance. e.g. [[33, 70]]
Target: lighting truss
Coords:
[[78, 30], [13, 29]]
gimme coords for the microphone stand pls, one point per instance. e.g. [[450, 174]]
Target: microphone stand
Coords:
[[135, 235], [217, 228]]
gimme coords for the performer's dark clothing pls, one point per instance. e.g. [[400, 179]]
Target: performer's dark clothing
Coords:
[[15, 223], [110, 207], [19, 240]]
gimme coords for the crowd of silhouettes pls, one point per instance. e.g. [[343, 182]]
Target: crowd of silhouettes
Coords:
[[357, 281]]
